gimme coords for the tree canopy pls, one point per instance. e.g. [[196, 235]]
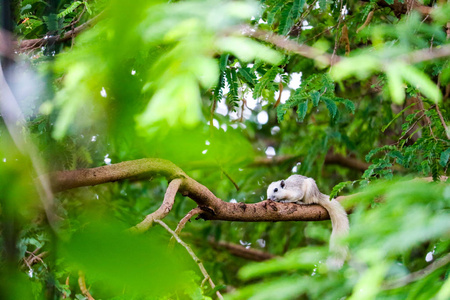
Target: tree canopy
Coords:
[[138, 139]]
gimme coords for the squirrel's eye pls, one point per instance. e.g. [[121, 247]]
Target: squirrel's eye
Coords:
[[275, 190]]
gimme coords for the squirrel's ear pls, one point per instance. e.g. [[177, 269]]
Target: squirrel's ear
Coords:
[[282, 183]]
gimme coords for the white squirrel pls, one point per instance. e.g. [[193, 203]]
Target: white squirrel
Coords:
[[303, 190]]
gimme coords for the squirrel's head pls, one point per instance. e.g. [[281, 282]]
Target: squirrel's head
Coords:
[[275, 191]]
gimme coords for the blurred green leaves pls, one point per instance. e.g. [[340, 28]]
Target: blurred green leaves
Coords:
[[305, 258], [184, 108], [395, 49], [397, 72], [248, 50], [174, 45], [139, 264]]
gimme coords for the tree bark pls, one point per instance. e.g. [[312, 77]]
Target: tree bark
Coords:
[[213, 208]]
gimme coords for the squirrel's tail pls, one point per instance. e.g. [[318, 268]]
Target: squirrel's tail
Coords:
[[339, 222]]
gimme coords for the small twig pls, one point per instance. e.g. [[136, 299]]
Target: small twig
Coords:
[[427, 119], [288, 45], [241, 251], [33, 257], [367, 22], [204, 281], [82, 283], [412, 126], [192, 254], [230, 179], [186, 218], [280, 90], [336, 41], [447, 133], [163, 210], [25, 260], [66, 295], [393, 284], [213, 109], [303, 16], [73, 22], [25, 45], [183, 222]]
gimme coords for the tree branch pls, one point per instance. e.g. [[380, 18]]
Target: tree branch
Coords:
[[145, 168], [82, 283], [241, 251], [213, 208], [417, 275], [447, 133], [291, 46], [183, 222], [163, 210], [187, 218], [330, 159], [192, 254], [31, 44]]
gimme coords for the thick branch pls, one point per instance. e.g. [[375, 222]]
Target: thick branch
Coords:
[[213, 207], [145, 168], [327, 59]]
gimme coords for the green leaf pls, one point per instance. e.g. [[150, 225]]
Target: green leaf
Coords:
[[273, 12], [444, 157], [376, 150], [243, 72], [315, 97], [233, 94], [323, 4], [28, 6], [218, 92], [285, 19], [395, 83], [349, 105], [52, 22], [223, 62], [247, 49], [70, 9], [176, 103], [205, 69], [361, 66], [268, 77], [297, 8], [422, 82], [331, 106], [296, 259], [302, 109], [338, 187]]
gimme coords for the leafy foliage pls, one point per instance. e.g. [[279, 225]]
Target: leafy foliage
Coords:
[[316, 88]]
